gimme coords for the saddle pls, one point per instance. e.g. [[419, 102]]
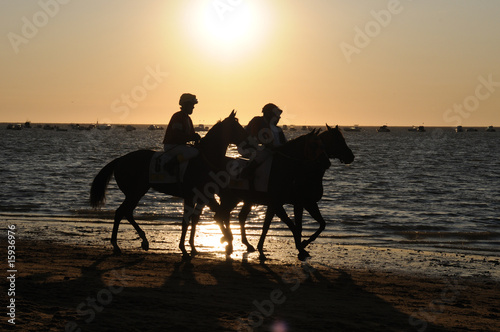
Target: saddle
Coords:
[[258, 182], [165, 169]]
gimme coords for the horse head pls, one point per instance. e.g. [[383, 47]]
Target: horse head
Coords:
[[233, 130], [314, 149], [227, 131], [335, 145]]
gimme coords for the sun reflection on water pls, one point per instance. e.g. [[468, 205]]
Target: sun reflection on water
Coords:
[[208, 238]]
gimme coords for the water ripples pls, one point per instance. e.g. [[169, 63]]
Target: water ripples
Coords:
[[436, 189]]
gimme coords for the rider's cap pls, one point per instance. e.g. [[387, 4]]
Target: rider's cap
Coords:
[[188, 98], [271, 109]]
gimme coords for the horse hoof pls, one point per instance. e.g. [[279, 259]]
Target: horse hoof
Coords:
[[194, 252], [262, 257], [117, 251], [223, 239], [186, 257], [229, 250], [250, 248], [304, 255], [145, 245]]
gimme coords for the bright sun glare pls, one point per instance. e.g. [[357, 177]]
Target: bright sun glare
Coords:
[[230, 30]]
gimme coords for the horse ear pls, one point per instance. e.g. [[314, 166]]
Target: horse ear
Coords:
[[328, 127], [337, 127], [233, 114]]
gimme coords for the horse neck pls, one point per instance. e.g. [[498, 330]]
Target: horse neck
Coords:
[[329, 141], [294, 148], [213, 147]]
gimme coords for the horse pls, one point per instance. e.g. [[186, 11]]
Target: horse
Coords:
[[336, 148], [310, 193], [303, 155], [131, 173]]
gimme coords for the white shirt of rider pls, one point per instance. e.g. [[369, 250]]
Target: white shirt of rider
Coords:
[[276, 134]]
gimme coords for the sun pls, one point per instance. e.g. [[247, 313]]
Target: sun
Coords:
[[226, 29], [226, 24]]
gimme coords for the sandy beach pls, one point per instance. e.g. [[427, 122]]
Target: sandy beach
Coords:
[[63, 287]]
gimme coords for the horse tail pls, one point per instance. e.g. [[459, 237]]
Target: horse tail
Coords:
[[100, 183]]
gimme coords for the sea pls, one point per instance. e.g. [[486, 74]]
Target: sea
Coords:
[[436, 190]]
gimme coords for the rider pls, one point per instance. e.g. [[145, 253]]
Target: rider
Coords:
[[264, 128], [265, 131], [180, 131]]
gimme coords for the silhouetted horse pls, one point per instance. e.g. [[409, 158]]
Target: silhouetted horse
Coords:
[[132, 176], [309, 190], [336, 148], [292, 163]]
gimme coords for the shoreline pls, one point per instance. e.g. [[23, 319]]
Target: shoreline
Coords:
[[331, 252], [66, 287]]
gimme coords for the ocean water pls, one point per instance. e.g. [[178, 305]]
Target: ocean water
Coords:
[[437, 190]]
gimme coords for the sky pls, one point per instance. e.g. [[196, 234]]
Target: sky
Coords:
[[369, 62]]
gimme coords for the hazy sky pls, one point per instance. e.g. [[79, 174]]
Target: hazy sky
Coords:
[[432, 62]]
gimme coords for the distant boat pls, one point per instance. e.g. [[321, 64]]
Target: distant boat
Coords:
[[353, 128], [27, 124], [103, 126], [49, 127], [129, 128], [284, 127], [414, 128], [15, 126], [155, 127], [421, 129], [200, 127], [459, 129], [383, 129], [490, 129], [292, 128], [471, 130]]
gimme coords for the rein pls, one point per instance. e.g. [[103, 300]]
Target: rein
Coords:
[[302, 161]]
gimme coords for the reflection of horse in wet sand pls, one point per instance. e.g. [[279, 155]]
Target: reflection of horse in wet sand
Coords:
[[296, 178], [131, 173]]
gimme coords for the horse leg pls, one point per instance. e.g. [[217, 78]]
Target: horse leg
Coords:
[[316, 214], [225, 227], [281, 213], [223, 219], [114, 235], [265, 228], [242, 217], [126, 209], [298, 211], [140, 232], [195, 218], [213, 205], [188, 211]]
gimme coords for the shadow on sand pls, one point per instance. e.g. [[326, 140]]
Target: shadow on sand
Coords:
[[71, 290]]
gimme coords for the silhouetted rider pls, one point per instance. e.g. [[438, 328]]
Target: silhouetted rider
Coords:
[[264, 131], [180, 131]]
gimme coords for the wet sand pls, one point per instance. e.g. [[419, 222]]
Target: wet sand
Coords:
[[65, 287]]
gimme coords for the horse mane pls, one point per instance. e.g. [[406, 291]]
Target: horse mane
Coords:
[[334, 129], [211, 131], [292, 144]]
